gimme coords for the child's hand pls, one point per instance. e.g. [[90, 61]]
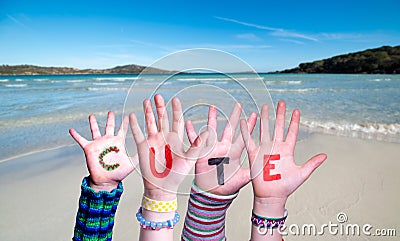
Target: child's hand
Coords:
[[275, 179], [163, 161], [106, 157], [231, 176]]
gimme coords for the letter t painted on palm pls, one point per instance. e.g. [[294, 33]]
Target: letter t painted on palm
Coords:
[[219, 162]]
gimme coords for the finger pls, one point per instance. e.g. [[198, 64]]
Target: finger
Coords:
[[197, 146], [149, 116], [190, 131], [249, 143], [309, 167], [280, 121], [264, 125], [178, 121], [293, 130], [243, 178], [232, 124], [110, 126], [251, 123], [78, 138], [135, 128], [123, 129], [212, 125], [134, 160], [94, 127], [251, 148], [163, 122]]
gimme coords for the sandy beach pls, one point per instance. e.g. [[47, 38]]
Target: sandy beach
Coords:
[[62, 63], [360, 178]]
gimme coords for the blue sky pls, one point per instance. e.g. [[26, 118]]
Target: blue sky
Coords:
[[269, 35]]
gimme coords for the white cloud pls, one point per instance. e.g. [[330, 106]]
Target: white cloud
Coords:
[[113, 46], [340, 36], [16, 20], [226, 47], [152, 45], [104, 60], [292, 41], [274, 31], [248, 36]]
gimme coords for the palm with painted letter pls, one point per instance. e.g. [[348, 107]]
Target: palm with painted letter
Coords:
[[223, 155], [163, 161], [275, 179], [106, 157]]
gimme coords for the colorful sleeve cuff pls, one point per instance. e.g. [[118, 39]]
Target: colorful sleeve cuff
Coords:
[[205, 218], [95, 218]]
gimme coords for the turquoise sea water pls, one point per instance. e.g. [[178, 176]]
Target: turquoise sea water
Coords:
[[37, 111]]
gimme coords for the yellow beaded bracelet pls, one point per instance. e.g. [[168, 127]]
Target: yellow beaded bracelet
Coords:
[[159, 206]]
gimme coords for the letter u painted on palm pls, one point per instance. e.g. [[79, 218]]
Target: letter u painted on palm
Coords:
[[168, 162]]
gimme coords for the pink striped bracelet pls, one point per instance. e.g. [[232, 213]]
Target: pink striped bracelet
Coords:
[[265, 222]]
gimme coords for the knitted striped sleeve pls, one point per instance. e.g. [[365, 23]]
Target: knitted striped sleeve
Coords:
[[205, 218], [95, 218]]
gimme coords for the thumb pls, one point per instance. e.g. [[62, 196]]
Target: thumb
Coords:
[[309, 167], [197, 146], [134, 160], [78, 138], [243, 177]]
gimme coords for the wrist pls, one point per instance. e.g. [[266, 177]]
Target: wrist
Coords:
[[159, 195], [102, 186], [212, 194], [272, 207]]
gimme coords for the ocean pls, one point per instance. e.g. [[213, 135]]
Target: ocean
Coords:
[[37, 111]]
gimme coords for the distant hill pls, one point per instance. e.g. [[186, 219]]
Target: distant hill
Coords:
[[38, 70], [383, 60]]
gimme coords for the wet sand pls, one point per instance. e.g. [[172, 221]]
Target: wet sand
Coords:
[[39, 193]]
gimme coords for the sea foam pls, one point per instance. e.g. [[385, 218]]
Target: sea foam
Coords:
[[16, 85], [370, 128]]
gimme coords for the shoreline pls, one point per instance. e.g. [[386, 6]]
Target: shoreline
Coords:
[[33, 152], [43, 190], [304, 134], [38, 111], [183, 73]]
